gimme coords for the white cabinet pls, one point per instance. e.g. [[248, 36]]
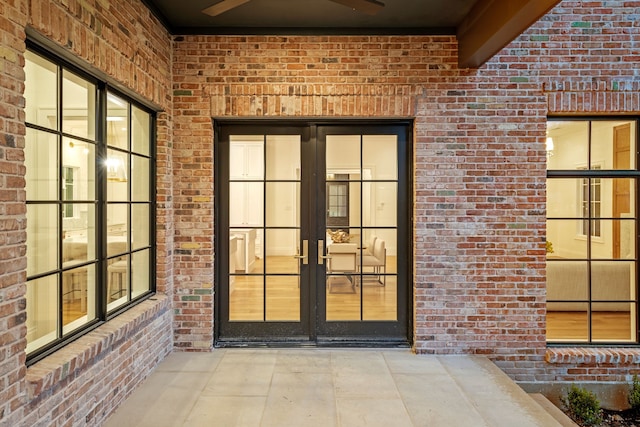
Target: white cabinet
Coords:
[[246, 160]]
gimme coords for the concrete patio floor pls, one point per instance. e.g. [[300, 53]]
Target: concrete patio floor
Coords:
[[328, 387]]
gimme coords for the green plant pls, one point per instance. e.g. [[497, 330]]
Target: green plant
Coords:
[[583, 406], [634, 393]]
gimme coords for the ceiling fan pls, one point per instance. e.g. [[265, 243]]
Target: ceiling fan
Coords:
[[369, 7]]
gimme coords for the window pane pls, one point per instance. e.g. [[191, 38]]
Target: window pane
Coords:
[[246, 206], [570, 144], [282, 204], [380, 156], [283, 298], [140, 131], [380, 256], [117, 122], [612, 281], [566, 281], [246, 157], [379, 204], [41, 161], [40, 91], [613, 321], [79, 159], [568, 322], [117, 228], [615, 240], [246, 298], [78, 104], [78, 235], [564, 197], [117, 282], [281, 246], [42, 238], [613, 144], [140, 226], [343, 155], [78, 297], [117, 167], [283, 157], [248, 254], [565, 239], [140, 273], [42, 298], [140, 179], [380, 302]]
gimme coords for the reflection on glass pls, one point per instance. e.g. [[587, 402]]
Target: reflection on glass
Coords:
[[283, 298], [282, 204], [117, 281], [42, 297], [281, 247], [140, 273], [246, 157], [140, 226], [78, 170], [342, 154], [246, 298], [380, 154], [42, 238], [571, 323], [565, 239], [78, 104], [380, 302], [283, 157], [41, 161], [140, 181], [76, 298], [613, 321], [40, 91]]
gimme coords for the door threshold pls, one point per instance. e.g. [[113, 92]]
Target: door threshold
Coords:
[[319, 343]]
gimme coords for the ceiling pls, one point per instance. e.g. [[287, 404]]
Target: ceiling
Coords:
[[482, 26]]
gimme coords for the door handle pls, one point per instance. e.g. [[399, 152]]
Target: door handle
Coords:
[[305, 250], [321, 257]]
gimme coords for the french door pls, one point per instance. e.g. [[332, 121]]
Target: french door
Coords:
[[312, 232]]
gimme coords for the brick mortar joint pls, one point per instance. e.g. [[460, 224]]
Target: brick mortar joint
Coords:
[[99, 342]]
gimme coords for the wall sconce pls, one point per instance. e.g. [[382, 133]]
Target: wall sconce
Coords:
[[115, 169], [549, 147]]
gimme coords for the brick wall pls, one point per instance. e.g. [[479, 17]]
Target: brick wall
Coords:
[[122, 39], [12, 211], [479, 156], [479, 169]]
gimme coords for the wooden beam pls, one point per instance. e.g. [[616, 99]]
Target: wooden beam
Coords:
[[492, 24]]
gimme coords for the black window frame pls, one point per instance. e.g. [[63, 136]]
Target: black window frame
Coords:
[[104, 85], [588, 174]]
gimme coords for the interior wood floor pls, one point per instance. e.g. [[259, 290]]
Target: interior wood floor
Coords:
[[347, 298], [573, 326]]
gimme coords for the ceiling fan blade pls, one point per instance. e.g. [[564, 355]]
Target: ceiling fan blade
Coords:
[[370, 7], [223, 6]]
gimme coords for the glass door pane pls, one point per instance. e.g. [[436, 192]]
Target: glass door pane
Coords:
[[264, 228]]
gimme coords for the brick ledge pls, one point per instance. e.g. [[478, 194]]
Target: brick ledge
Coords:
[[592, 356], [65, 364]]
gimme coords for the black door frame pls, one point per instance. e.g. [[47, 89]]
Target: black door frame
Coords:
[[312, 331]]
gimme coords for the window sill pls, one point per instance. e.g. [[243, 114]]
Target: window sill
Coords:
[[66, 363], [593, 356]]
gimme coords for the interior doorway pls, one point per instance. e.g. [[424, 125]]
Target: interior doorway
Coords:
[[313, 232]]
